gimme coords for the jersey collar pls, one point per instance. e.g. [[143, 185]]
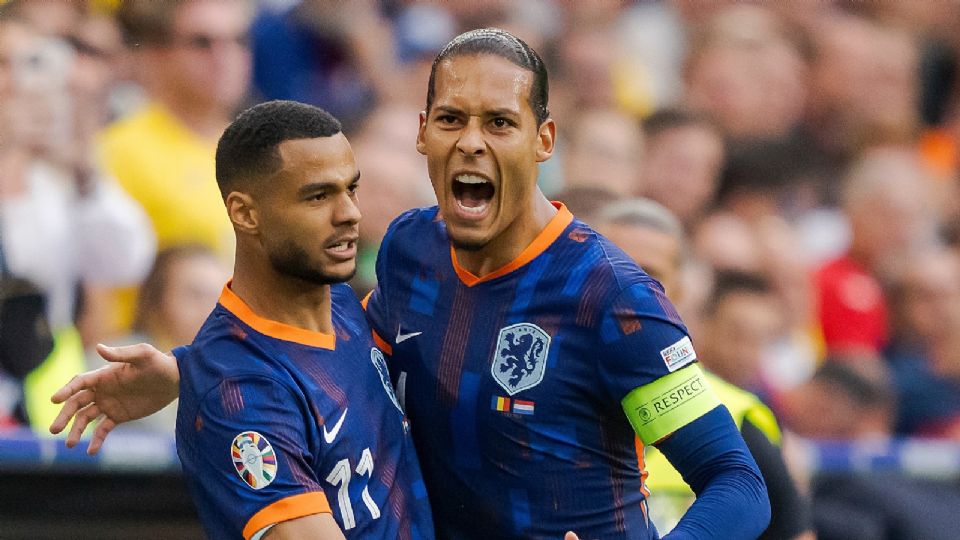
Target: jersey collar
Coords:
[[551, 232], [278, 330]]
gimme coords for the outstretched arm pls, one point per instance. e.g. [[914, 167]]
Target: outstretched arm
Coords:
[[139, 381]]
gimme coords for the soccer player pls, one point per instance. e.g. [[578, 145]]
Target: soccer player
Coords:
[[528, 348], [285, 404]]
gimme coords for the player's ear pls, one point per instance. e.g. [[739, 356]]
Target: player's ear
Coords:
[[243, 212], [421, 145], [546, 137]]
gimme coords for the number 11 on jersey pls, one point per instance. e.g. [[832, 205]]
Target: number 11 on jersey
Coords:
[[340, 476]]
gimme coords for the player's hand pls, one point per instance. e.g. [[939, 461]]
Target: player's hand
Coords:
[[140, 381]]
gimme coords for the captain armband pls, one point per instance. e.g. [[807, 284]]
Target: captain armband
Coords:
[[667, 404]]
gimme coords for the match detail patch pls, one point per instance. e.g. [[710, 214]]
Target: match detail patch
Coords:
[[254, 459], [679, 354], [667, 404]]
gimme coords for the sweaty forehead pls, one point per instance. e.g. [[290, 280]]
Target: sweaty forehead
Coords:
[[483, 80]]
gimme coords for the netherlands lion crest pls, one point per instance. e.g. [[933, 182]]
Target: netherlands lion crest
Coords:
[[520, 357]]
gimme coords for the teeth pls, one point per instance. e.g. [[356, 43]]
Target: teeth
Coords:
[[471, 179], [340, 246], [473, 209]]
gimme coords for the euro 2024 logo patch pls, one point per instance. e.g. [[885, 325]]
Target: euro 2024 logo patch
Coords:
[[254, 459], [520, 357]]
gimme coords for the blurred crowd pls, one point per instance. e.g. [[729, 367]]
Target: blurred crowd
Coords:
[[807, 151]]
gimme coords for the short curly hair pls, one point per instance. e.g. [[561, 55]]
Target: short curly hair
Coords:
[[248, 148]]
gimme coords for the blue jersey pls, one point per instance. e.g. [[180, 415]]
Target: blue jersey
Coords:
[[277, 423], [513, 381]]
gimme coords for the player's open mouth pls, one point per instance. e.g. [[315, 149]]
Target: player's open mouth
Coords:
[[343, 249], [473, 195]]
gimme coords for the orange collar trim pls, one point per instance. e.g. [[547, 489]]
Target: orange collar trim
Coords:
[[274, 329], [547, 236]]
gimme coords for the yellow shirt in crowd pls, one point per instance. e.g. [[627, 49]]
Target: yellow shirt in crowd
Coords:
[[171, 172]]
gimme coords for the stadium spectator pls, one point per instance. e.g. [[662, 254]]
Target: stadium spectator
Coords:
[[172, 303], [743, 319], [863, 90], [849, 398], [852, 401], [924, 354], [683, 157], [62, 222], [177, 295], [852, 307], [767, 246], [604, 149], [317, 52], [585, 69], [745, 71], [192, 59]]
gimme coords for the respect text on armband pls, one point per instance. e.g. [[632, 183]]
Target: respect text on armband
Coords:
[[667, 402]]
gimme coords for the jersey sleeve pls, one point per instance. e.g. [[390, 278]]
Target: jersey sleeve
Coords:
[[648, 363], [711, 456], [248, 458]]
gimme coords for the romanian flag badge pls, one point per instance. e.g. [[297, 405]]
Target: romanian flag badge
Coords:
[[500, 403]]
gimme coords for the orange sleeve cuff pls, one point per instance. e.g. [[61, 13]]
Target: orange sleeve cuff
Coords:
[[384, 346], [293, 507]]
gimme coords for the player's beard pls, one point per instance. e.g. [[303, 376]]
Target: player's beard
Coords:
[[290, 259], [465, 245]]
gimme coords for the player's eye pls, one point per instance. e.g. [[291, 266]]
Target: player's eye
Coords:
[[501, 122], [447, 119], [353, 189], [319, 196]]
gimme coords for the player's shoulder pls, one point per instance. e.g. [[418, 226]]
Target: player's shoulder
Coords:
[[412, 235], [414, 221], [610, 263], [226, 348]]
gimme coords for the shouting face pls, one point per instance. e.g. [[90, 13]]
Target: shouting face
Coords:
[[483, 143]]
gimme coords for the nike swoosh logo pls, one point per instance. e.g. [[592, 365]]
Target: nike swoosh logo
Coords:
[[329, 436], [403, 337]]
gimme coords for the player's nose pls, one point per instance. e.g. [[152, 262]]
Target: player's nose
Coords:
[[471, 142], [347, 210]]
